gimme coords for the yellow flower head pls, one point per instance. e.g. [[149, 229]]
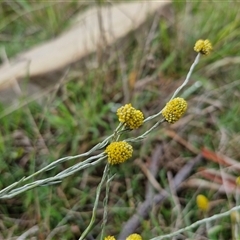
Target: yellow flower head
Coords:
[[203, 46], [238, 181], [174, 109], [110, 238], [134, 237], [118, 152], [235, 217], [202, 202], [132, 117]]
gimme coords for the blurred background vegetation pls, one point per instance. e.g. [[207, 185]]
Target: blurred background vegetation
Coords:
[[71, 121]]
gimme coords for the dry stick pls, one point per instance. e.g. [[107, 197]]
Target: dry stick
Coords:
[[29, 232], [173, 193], [153, 168], [149, 40], [143, 211]]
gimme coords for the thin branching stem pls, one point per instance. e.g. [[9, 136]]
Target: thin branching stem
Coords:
[[198, 223], [139, 138], [10, 191], [105, 205], [179, 88], [88, 229], [14, 188], [51, 180], [188, 76]]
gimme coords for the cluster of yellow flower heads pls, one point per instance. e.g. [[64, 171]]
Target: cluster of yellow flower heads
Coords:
[[174, 109], [202, 203], [203, 46], [132, 117], [134, 236], [118, 152]]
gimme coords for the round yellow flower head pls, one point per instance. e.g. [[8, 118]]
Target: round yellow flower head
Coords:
[[118, 152], [238, 181], [132, 117], [203, 46], [110, 238], [202, 202], [235, 217], [134, 236], [174, 109]]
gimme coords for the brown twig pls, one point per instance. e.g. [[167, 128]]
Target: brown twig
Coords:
[[153, 169], [177, 209], [143, 211]]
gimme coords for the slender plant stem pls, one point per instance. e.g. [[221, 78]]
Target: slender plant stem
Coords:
[[88, 229], [47, 181], [188, 76], [105, 205], [11, 190], [208, 225], [198, 223], [180, 88]]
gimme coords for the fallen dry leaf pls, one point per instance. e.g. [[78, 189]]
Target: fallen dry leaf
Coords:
[[84, 37]]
